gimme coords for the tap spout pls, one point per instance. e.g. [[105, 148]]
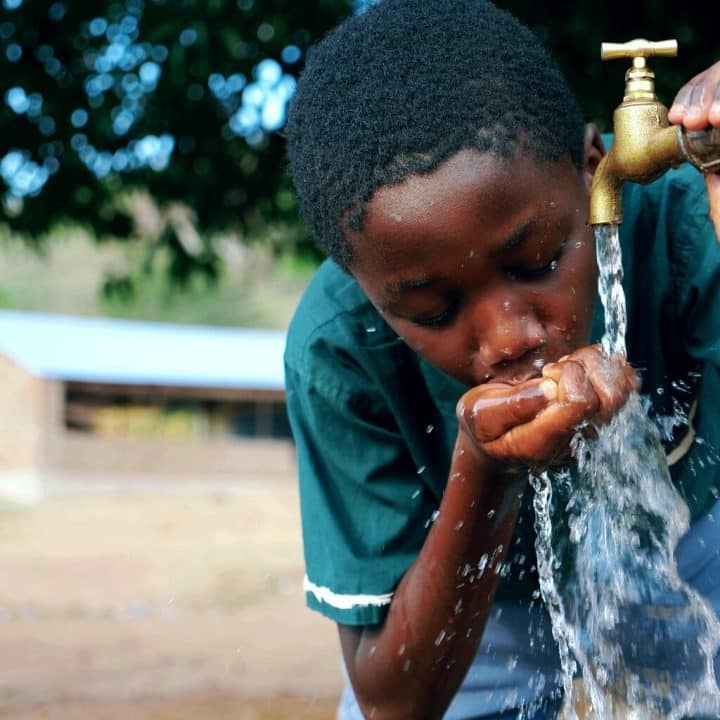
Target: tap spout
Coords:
[[644, 144], [643, 154], [644, 147]]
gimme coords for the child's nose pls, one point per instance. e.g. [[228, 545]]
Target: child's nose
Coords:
[[505, 329]]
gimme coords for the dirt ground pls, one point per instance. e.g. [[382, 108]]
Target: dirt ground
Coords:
[[126, 602]]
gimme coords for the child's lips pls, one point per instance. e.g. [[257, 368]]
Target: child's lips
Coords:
[[516, 372], [515, 378]]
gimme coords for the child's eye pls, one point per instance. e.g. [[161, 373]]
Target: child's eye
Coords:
[[534, 273], [441, 318]]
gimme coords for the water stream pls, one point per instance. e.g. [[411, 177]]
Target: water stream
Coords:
[[640, 637]]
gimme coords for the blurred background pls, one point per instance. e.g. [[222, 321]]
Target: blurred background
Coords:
[[150, 260]]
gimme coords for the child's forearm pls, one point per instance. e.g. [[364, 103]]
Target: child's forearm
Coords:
[[412, 665]]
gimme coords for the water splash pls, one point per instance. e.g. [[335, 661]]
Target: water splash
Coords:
[[642, 639]]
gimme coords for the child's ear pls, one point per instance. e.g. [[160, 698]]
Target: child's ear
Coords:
[[593, 152]]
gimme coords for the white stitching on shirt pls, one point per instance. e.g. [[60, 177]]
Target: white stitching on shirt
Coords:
[[342, 601]]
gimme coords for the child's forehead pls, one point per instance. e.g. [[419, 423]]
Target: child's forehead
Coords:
[[471, 202], [473, 182]]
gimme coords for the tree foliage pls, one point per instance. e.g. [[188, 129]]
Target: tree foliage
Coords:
[[185, 99]]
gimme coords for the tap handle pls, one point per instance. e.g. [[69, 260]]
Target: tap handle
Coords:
[[639, 79], [638, 48]]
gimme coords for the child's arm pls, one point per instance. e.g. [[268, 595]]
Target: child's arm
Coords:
[[696, 106], [412, 665]]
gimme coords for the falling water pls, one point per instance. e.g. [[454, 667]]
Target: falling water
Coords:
[[641, 638]]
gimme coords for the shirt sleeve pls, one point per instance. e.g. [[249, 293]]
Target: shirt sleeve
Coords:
[[365, 513]]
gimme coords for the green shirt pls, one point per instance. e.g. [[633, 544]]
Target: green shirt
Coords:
[[374, 424]]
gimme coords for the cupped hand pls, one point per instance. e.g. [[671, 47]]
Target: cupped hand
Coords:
[[532, 423]]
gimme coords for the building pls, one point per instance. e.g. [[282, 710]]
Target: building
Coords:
[[106, 400]]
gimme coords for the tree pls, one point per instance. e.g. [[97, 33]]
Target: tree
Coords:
[[182, 98], [185, 99]]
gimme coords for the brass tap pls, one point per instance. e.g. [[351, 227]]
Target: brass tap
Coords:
[[645, 145]]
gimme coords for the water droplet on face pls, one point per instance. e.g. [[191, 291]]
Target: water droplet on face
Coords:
[[429, 429], [415, 494], [396, 217], [471, 254], [491, 514], [506, 305], [406, 666], [459, 524], [538, 364], [572, 290], [421, 470], [371, 329], [579, 244], [553, 265], [401, 649], [440, 637], [430, 520]]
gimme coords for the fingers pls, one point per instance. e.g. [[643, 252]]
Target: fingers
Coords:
[[542, 439], [532, 423], [611, 378], [492, 409], [697, 104]]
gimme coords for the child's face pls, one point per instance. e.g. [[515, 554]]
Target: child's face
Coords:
[[485, 267]]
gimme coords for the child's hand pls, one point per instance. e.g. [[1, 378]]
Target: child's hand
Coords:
[[697, 106], [532, 423]]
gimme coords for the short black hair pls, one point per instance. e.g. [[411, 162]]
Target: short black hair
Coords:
[[397, 90]]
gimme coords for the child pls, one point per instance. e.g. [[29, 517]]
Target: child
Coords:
[[445, 346]]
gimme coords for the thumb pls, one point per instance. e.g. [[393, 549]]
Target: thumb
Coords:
[[712, 183]]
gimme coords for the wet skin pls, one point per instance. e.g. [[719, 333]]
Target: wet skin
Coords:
[[490, 274]]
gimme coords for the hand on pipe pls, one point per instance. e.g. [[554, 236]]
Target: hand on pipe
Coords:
[[697, 106]]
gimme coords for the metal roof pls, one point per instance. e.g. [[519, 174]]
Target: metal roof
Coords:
[[144, 353]]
